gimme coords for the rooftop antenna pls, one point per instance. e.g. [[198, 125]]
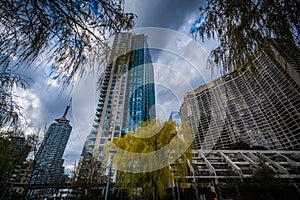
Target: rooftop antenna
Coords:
[[64, 117]]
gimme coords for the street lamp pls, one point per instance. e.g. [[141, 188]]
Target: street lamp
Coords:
[[109, 173]]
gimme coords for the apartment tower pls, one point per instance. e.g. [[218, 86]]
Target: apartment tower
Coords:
[[259, 104], [126, 97], [48, 167]]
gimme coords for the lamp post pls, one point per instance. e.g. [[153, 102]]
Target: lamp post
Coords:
[[109, 173]]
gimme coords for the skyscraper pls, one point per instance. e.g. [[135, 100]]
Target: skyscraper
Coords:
[[261, 103], [126, 96], [48, 168], [175, 116]]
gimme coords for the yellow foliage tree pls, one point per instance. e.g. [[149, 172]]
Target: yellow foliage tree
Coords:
[[148, 160]]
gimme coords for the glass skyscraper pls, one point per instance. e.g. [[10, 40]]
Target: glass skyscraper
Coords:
[[48, 167], [127, 96]]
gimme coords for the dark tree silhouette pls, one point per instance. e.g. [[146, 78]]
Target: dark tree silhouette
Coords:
[[9, 110], [242, 26], [68, 35]]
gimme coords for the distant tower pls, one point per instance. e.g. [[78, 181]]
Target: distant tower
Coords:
[[48, 168], [175, 116]]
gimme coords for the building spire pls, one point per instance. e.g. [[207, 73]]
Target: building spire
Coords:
[[64, 117], [67, 108]]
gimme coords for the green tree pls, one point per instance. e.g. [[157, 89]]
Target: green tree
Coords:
[[5, 158], [152, 137], [242, 26]]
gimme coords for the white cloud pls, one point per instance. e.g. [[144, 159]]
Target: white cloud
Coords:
[[30, 107]]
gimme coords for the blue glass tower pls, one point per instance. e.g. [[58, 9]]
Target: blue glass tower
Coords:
[[127, 95], [48, 167]]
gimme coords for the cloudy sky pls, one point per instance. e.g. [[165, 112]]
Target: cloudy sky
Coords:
[[179, 64]]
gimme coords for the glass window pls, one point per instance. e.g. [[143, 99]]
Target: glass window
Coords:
[[101, 148], [116, 134], [102, 141], [103, 134]]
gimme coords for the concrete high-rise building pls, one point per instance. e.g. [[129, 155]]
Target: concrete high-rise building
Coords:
[[259, 104], [127, 97], [48, 167]]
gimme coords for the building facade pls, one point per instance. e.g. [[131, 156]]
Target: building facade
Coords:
[[227, 165], [259, 104], [48, 167], [20, 176], [127, 97]]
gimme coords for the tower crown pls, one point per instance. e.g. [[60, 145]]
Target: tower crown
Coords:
[[64, 117]]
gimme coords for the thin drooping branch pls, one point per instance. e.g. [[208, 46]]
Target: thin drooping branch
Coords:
[[243, 26], [70, 36]]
